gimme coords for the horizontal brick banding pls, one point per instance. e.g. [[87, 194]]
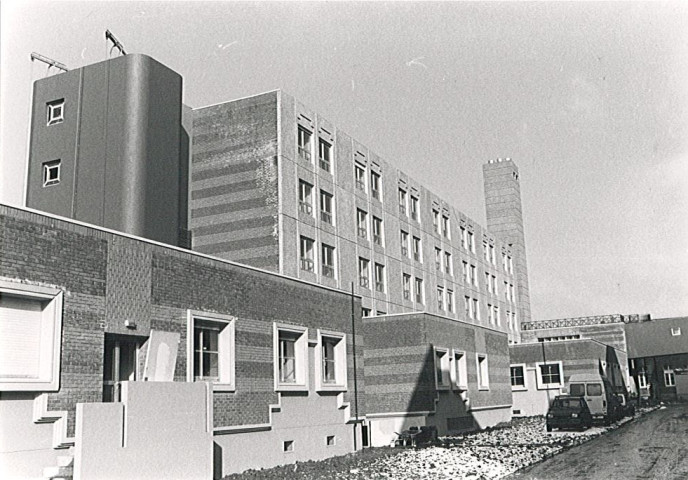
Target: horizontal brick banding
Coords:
[[228, 227], [228, 207], [223, 189], [236, 245]]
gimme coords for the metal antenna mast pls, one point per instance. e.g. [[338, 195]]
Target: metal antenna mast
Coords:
[[48, 61], [115, 43]]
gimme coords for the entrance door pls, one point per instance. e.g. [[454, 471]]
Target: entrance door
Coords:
[[121, 363]]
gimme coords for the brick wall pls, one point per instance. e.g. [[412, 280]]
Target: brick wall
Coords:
[[109, 278], [234, 181]]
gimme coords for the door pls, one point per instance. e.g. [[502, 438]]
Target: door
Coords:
[[121, 363]]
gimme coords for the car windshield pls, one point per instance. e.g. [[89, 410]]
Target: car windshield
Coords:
[[577, 389], [594, 389], [567, 402]]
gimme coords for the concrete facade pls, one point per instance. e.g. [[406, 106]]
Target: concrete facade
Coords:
[[424, 369], [107, 147], [269, 174], [119, 289], [533, 389]]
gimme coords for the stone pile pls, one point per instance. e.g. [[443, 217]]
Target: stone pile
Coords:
[[489, 454]]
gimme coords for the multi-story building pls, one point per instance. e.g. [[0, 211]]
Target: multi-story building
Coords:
[[277, 186]]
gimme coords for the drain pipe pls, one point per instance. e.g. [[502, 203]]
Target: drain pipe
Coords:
[[353, 338]]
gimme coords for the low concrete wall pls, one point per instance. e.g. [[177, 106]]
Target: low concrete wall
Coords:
[[25, 447], [159, 430]]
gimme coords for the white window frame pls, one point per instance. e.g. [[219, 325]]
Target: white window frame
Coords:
[[404, 241], [48, 378], [541, 385], [483, 371], [306, 255], [364, 272], [414, 208], [362, 224], [378, 232], [450, 300], [418, 296], [525, 377], [642, 379], [340, 358], [226, 348], [360, 177], [675, 331], [53, 119], [444, 368], [47, 167], [325, 154], [300, 358], [380, 283], [328, 270], [326, 207], [669, 377], [304, 143], [305, 198], [460, 365], [376, 185]]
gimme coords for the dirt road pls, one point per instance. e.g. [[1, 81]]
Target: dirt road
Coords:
[[654, 446]]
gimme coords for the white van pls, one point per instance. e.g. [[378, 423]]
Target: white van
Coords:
[[599, 394]]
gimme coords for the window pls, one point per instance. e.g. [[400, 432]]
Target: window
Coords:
[[476, 309], [466, 273], [459, 370], [518, 378], [362, 222], [496, 315], [402, 201], [669, 378], [438, 259], [306, 254], [436, 220], [365, 312], [327, 259], [505, 262], [506, 291], [51, 173], [483, 372], [440, 298], [305, 197], [446, 231], [509, 320], [30, 337], [210, 349], [471, 242], [486, 252], [55, 111], [493, 259], [406, 284], [442, 371], [330, 440], [448, 263], [450, 301], [675, 331], [511, 266], [416, 249], [490, 314], [474, 275], [379, 277], [291, 350], [464, 238], [324, 154], [468, 306], [404, 244], [488, 283], [332, 361], [375, 185], [378, 238], [549, 375], [288, 446], [363, 274], [414, 208], [304, 143], [512, 293], [359, 175], [326, 201], [419, 290]]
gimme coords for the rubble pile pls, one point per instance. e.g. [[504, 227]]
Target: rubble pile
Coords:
[[489, 454]]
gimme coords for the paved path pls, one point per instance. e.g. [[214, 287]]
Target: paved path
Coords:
[[654, 446]]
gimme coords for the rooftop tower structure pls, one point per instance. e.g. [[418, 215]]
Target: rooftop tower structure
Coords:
[[504, 215]]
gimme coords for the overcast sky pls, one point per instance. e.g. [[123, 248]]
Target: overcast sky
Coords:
[[590, 100]]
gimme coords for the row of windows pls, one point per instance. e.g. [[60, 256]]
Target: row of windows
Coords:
[[549, 375], [304, 142], [306, 202], [213, 347], [451, 370], [307, 257]]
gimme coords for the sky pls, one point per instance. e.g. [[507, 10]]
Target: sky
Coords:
[[590, 100]]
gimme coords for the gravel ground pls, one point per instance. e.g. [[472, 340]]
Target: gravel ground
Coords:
[[485, 455]]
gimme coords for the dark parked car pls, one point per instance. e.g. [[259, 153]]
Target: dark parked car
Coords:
[[627, 407], [567, 411], [416, 436]]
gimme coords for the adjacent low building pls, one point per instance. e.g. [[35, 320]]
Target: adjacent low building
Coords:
[[424, 369], [84, 310], [540, 371]]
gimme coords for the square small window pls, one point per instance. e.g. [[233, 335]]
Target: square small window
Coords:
[[549, 375], [330, 440], [675, 331], [55, 111], [288, 446], [51, 173], [518, 377]]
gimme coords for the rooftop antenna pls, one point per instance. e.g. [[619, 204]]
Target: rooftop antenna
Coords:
[[115, 43], [48, 61]]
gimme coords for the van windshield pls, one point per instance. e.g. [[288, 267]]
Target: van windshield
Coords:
[[577, 389], [594, 389], [567, 402]]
